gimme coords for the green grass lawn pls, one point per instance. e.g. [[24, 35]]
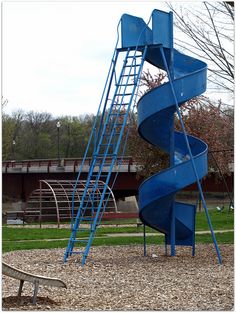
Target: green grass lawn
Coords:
[[18, 238], [220, 220], [223, 238]]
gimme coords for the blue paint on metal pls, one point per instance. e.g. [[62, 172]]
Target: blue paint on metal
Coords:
[[134, 30], [144, 241], [111, 126], [188, 155], [158, 209], [192, 160], [162, 28]]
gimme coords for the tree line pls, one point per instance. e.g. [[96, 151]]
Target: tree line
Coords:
[[34, 135]]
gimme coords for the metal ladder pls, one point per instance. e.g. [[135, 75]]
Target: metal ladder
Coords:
[[107, 147]]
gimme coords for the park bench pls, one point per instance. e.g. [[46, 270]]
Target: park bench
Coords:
[[36, 280]]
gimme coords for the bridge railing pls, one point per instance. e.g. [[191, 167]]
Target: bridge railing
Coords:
[[47, 165]]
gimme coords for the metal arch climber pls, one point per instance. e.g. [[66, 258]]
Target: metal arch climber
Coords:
[[52, 201]]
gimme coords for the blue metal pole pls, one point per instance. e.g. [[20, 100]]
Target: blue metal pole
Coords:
[[172, 233], [165, 244], [172, 138], [144, 241], [191, 157], [95, 141], [193, 236], [172, 230]]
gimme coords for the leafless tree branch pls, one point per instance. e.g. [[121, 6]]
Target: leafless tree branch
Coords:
[[208, 33]]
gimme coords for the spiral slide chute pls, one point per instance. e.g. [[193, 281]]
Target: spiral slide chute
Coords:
[[188, 155], [155, 124]]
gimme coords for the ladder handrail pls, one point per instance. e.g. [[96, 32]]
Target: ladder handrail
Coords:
[[111, 71], [111, 166], [122, 156], [97, 151], [124, 121], [109, 120], [81, 212], [136, 49], [76, 224], [110, 74]]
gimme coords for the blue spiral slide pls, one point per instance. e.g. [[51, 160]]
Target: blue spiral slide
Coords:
[[188, 155]]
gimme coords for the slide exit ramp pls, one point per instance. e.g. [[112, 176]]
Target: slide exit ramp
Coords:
[[188, 155], [36, 280]]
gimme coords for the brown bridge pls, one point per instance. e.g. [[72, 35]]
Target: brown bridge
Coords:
[[20, 178]]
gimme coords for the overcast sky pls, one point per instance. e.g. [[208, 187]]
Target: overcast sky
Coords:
[[56, 55]]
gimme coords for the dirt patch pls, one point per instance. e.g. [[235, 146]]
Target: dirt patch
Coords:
[[25, 302]]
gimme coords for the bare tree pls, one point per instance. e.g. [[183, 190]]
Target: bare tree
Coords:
[[208, 33], [4, 102]]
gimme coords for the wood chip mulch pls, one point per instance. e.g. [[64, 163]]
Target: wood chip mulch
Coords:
[[121, 278]]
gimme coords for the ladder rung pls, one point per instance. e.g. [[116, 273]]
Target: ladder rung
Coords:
[[86, 208], [109, 134], [111, 143], [107, 149], [100, 161], [106, 144], [117, 114], [129, 75], [80, 240], [86, 218], [123, 94], [106, 155], [134, 56], [132, 65], [122, 85], [77, 252]]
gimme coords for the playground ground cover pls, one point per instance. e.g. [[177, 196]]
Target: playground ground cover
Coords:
[[121, 278], [117, 276]]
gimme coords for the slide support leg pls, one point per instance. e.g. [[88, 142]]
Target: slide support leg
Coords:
[[191, 158], [144, 241], [172, 234], [20, 287]]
